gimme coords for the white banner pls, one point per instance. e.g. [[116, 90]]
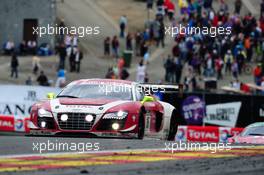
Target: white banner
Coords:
[[224, 114], [17, 100]]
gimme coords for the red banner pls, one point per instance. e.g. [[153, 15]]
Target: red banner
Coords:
[[13, 124], [7, 123], [202, 134]]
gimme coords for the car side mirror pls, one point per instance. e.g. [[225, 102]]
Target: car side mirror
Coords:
[[148, 99], [50, 95]]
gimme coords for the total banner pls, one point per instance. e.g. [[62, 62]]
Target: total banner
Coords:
[[224, 114], [205, 133]]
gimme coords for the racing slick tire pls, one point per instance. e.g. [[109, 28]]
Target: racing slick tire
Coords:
[[141, 126], [173, 126]]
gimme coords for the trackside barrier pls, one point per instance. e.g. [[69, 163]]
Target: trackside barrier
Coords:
[[205, 133], [14, 124], [184, 133]]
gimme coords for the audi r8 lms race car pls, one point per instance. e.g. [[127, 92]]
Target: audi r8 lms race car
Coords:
[[106, 108], [253, 134]]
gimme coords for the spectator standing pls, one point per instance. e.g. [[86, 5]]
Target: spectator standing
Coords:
[[240, 60], [223, 7], [115, 47], [234, 69], [62, 54], [168, 65], [42, 79], [141, 72], [23, 48], [138, 42], [208, 4], [129, 42], [123, 25], [120, 66], [107, 44], [218, 66], [149, 4], [238, 5], [14, 66], [258, 74], [75, 40], [161, 34], [183, 6], [171, 10], [177, 70], [71, 51], [209, 70], [228, 60], [262, 8], [78, 59], [61, 78], [35, 64], [32, 47], [68, 41], [9, 47]]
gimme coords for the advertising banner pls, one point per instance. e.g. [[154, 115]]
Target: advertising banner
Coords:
[[181, 134], [17, 100], [15, 105], [224, 114], [226, 131], [193, 109], [202, 134], [7, 123], [205, 133]]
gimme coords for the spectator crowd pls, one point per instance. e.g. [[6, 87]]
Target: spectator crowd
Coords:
[[193, 56], [206, 56]]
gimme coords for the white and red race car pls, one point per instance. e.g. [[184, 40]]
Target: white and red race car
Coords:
[[105, 108]]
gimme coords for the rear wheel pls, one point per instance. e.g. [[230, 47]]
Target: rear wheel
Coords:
[[173, 126], [141, 126]]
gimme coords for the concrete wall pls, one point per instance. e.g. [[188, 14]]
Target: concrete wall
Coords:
[[13, 13]]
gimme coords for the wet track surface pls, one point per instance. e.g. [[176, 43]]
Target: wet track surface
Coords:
[[18, 155]]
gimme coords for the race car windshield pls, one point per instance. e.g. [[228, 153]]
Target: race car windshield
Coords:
[[254, 131], [97, 91]]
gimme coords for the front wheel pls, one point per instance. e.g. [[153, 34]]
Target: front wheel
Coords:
[[141, 126], [173, 126]]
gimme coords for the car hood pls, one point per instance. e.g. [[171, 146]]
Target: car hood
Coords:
[[77, 101]]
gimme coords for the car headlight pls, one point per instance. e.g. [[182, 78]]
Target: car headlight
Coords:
[[44, 113], [120, 115]]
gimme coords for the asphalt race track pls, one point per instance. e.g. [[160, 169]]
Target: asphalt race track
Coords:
[[123, 156]]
